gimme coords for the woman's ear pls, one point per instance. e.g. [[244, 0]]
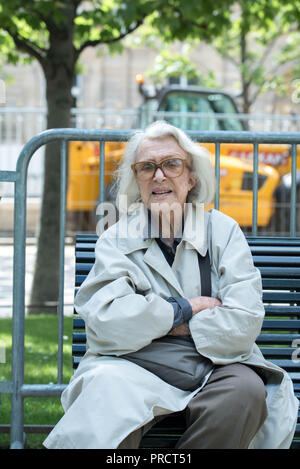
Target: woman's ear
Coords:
[[192, 181]]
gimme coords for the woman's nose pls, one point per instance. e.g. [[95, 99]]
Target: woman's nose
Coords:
[[159, 175]]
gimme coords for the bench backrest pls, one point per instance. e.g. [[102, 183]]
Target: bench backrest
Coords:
[[278, 260]]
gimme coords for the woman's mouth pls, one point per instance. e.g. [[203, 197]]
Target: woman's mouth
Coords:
[[161, 193]]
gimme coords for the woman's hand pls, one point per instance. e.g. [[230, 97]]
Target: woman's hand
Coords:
[[198, 304], [203, 302]]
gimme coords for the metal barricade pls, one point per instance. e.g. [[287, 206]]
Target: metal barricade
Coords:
[[16, 387]]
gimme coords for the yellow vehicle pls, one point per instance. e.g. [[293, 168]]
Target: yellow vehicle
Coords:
[[236, 167]]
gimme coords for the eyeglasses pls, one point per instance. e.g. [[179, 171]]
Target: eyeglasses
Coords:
[[171, 167]]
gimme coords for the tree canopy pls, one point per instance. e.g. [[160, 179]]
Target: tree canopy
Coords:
[[30, 27]]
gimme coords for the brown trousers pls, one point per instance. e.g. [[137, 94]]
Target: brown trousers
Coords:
[[225, 414]]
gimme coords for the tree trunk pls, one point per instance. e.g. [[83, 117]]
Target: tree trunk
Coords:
[[59, 73]]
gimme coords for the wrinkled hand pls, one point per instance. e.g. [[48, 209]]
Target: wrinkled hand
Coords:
[[203, 302], [198, 304]]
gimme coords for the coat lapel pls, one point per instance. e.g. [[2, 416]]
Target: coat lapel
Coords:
[[195, 228], [156, 260]]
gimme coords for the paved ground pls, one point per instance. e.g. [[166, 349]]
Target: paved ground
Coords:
[[6, 277]]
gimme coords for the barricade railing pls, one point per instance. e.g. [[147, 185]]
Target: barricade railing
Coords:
[[19, 124], [17, 387]]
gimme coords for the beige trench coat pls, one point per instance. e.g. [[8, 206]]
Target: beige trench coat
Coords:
[[123, 303]]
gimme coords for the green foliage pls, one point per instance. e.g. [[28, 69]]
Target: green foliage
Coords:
[[193, 19], [29, 26], [168, 65], [291, 12], [291, 50], [22, 23], [296, 91], [33, 23], [251, 44]]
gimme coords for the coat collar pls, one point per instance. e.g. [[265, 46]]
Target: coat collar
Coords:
[[195, 228]]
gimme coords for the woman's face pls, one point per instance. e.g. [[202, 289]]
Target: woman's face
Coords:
[[161, 189]]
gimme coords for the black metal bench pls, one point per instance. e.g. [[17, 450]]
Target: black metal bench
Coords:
[[278, 260]]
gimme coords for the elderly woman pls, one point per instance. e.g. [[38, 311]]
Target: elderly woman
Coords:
[[148, 301]]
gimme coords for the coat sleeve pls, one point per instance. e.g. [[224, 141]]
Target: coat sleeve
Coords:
[[120, 316], [226, 333]]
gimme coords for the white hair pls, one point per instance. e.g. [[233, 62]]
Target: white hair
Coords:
[[126, 185]]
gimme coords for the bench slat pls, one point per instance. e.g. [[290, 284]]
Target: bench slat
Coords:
[[78, 323], [281, 324], [277, 352], [283, 296], [273, 241], [282, 310], [276, 339], [286, 249], [279, 261], [282, 272], [78, 337], [288, 365], [280, 283]]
